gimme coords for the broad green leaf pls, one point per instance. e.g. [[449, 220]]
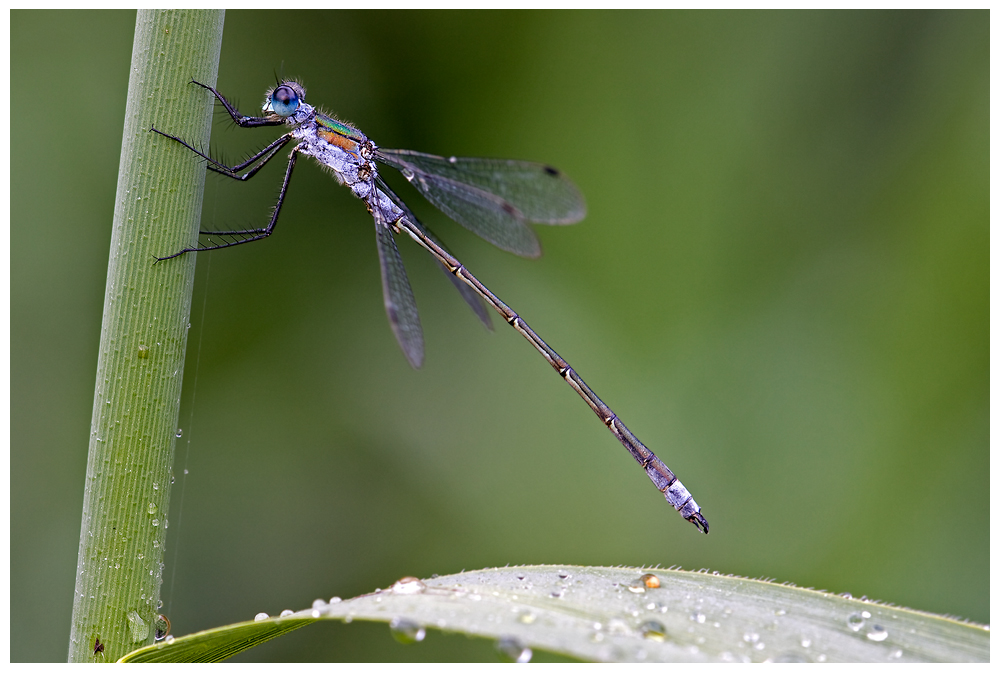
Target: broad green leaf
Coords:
[[625, 614]]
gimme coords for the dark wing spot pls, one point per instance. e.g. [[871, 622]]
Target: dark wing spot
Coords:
[[550, 170]]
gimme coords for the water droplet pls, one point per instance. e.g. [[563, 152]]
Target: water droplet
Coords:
[[650, 581], [406, 631], [319, 604], [162, 625], [408, 585], [452, 160], [617, 626], [878, 633], [155, 522], [166, 523], [168, 640], [654, 631], [520, 576], [286, 613], [260, 616], [159, 604], [152, 508], [698, 617], [563, 574], [527, 617], [556, 594], [855, 621], [638, 588], [143, 351], [751, 637], [805, 642], [896, 653], [335, 599], [513, 650], [780, 612], [137, 627], [156, 487]]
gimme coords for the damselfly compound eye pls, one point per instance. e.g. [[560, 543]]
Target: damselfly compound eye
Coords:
[[284, 101]]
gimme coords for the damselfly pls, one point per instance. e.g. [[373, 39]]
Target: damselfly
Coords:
[[493, 198]]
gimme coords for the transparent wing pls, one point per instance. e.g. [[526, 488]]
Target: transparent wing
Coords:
[[474, 301], [399, 302], [494, 198], [540, 193]]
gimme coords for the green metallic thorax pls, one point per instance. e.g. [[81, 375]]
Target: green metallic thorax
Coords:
[[339, 128]]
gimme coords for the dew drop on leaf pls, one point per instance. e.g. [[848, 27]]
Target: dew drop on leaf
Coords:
[[406, 631], [653, 630], [514, 650]]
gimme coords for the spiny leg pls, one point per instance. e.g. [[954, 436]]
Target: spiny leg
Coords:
[[241, 119], [238, 237], [263, 156]]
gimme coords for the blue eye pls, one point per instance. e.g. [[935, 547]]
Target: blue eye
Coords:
[[284, 101]]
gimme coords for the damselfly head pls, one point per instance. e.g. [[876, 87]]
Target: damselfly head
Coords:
[[284, 99]]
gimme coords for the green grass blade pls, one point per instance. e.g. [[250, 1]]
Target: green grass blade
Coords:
[[618, 614]]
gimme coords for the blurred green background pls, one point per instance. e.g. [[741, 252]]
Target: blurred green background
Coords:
[[781, 286]]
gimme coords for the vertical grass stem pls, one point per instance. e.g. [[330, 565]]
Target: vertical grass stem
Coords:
[[147, 307]]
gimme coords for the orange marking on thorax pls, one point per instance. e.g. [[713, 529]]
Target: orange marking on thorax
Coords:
[[338, 140]]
